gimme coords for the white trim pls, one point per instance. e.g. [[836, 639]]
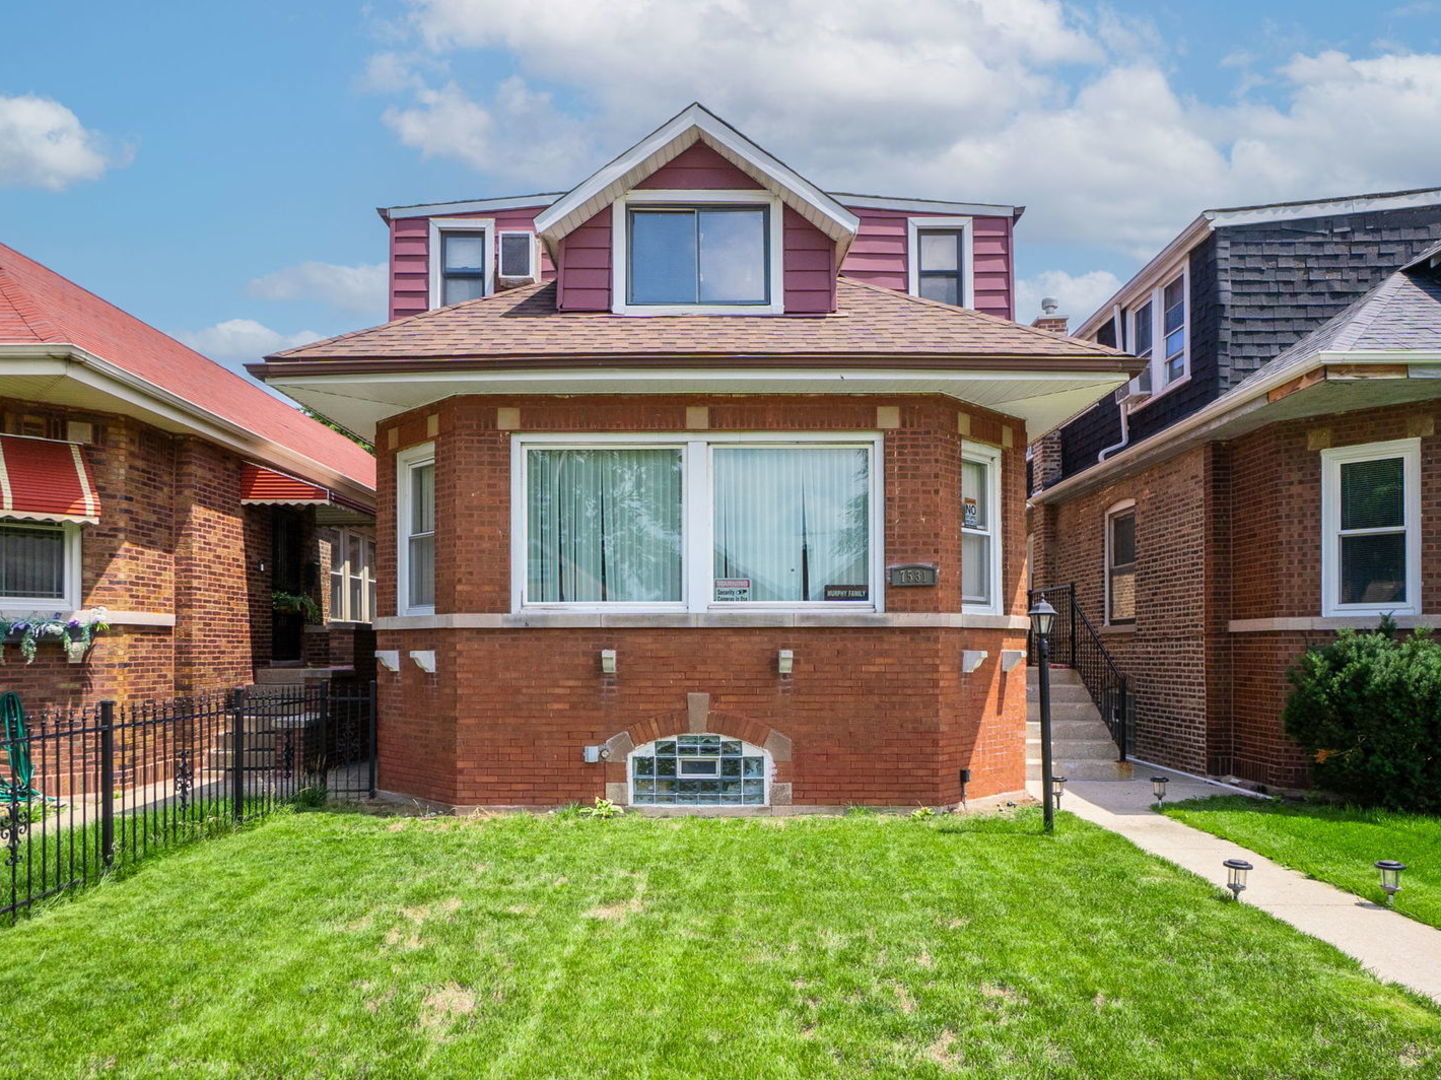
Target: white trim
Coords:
[[925, 206], [405, 461], [70, 531], [620, 247], [441, 226], [340, 537], [530, 256], [1156, 363], [697, 572], [1113, 511], [991, 458], [767, 772], [711, 620], [966, 227], [696, 124], [470, 206], [1409, 451]]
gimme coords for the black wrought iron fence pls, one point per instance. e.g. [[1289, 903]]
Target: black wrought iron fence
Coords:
[[1076, 644], [86, 792]]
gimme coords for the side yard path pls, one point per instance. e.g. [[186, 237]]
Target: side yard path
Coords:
[[1390, 945]]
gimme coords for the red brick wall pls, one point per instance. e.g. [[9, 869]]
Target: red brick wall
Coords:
[[1228, 532], [875, 714]]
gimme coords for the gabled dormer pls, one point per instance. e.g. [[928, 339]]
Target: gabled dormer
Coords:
[[698, 219]]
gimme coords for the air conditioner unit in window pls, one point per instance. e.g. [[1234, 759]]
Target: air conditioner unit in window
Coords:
[[1138, 389]]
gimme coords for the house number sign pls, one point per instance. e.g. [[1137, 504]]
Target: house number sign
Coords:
[[915, 574]]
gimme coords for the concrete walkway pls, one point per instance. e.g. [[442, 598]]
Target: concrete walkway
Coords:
[[1390, 946]]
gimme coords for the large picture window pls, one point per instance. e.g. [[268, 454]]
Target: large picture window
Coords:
[[415, 506], [1121, 564], [697, 524], [1371, 514], [36, 563], [699, 255], [981, 530]]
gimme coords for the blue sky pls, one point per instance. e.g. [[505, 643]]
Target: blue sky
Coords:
[[215, 168]]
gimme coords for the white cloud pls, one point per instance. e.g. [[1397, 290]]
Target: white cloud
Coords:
[[359, 289], [237, 342], [1029, 101], [43, 144], [1077, 294]]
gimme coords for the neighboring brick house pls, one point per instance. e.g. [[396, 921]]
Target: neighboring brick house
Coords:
[[138, 476], [680, 517], [1272, 477]]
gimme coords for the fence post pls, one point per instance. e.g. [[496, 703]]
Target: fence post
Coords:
[[322, 763], [107, 783], [370, 711], [237, 753]]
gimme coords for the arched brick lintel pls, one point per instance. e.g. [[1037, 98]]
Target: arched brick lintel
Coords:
[[696, 721]]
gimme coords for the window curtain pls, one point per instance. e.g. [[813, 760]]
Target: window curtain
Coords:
[[604, 526], [976, 553], [32, 562], [422, 535], [793, 522]]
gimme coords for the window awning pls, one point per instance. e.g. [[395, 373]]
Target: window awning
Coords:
[[46, 480], [260, 486]]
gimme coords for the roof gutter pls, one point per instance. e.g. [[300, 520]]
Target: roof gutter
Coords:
[[210, 425], [1194, 428]]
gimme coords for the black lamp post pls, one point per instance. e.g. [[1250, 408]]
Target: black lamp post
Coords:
[[1158, 787], [1042, 617], [1390, 877], [1236, 870]]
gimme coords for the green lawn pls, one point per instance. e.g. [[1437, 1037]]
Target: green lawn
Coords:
[[340, 945], [1333, 843]]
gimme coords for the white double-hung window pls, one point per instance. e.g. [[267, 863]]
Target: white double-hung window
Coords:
[[352, 577], [687, 523], [415, 542], [1371, 529], [1156, 326], [39, 565], [981, 530]]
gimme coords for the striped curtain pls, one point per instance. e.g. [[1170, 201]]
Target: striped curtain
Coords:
[[793, 521], [604, 525]]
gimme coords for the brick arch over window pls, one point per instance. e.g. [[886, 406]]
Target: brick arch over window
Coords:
[[698, 718]]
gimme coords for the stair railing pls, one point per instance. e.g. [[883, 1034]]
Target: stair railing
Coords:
[[1075, 643]]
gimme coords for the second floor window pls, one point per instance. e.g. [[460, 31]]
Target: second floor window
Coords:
[[940, 267], [1157, 331], [462, 266], [698, 255]]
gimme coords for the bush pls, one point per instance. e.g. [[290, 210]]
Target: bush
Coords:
[[1368, 708]]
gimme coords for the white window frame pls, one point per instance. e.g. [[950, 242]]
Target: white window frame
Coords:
[[366, 575], [1125, 506], [1124, 321], [642, 197], [915, 226], [438, 228], [71, 600], [405, 461], [530, 258], [991, 457], [697, 524], [768, 771], [1409, 450]]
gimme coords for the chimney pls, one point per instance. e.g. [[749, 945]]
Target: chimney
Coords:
[[1049, 320]]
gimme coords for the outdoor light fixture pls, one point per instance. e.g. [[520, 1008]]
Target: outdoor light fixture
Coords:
[[1236, 870], [1158, 787], [1042, 616], [1058, 788], [1390, 877], [785, 661]]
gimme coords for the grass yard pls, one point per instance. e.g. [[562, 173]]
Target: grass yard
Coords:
[[1332, 843], [337, 945]]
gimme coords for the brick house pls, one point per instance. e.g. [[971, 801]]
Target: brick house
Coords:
[[1272, 476], [138, 476], [697, 488]]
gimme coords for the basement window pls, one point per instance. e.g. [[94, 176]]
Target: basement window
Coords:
[[698, 770], [1370, 540]]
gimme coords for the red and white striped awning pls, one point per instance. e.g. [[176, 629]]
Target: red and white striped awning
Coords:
[[45, 480], [260, 486]]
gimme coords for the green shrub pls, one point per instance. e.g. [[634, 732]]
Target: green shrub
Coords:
[[1368, 708]]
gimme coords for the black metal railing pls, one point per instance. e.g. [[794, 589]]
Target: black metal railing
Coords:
[[1076, 644], [89, 791]]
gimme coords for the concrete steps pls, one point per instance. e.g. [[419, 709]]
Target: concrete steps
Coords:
[[1081, 747]]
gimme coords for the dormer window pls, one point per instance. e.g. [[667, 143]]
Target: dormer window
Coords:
[[462, 260], [517, 256], [940, 259], [675, 254]]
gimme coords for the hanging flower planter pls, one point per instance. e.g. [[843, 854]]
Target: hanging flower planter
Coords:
[[75, 634]]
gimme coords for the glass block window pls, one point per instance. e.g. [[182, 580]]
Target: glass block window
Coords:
[[698, 770]]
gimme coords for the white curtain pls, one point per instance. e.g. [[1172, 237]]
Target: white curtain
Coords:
[[32, 561], [422, 535], [793, 521], [604, 525]]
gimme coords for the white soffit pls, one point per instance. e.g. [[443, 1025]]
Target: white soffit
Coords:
[[695, 124]]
